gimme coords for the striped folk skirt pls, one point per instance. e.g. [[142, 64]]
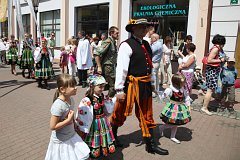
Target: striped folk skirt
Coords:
[[100, 138], [44, 68]]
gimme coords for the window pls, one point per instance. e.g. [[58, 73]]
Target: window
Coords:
[[26, 23], [50, 22], [93, 19], [4, 28], [170, 17]]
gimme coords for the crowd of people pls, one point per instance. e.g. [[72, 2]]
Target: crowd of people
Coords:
[[133, 74]]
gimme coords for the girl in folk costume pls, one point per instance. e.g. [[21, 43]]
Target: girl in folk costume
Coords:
[[43, 60], [92, 122], [12, 56], [177, 110], [65, 143], [27, 60]]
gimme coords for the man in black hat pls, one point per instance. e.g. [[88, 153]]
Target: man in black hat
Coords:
[[133, 84]]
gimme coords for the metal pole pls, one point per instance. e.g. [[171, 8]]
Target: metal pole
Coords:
[[36, 40]]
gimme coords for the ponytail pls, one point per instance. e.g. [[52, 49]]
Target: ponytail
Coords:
[[56, 95]]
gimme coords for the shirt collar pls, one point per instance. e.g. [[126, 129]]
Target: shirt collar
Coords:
[[138, 39], [175, 89]]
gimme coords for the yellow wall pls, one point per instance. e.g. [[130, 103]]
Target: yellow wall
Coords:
[[201, 30]]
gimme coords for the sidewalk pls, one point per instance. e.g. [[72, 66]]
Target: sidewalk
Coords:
[[25, 133]]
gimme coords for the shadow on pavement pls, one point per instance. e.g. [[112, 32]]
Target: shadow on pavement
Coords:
[[10, 83], [183, 133]]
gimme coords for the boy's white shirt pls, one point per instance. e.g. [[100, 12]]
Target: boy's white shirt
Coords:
[[87, 117]]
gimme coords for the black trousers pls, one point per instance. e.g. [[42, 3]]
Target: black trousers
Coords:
[[82, 76]]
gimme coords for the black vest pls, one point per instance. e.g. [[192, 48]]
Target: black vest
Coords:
[[138, 66]]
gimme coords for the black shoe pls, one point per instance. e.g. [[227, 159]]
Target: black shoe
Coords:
[[151, 147], [80, 84], [40, 85], [84, 85], [47, 87]]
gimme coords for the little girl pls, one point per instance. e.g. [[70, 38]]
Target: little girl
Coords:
[[92, 122], [65, 144], [27, 60], [12, 56], [177, 110], [63, 59]]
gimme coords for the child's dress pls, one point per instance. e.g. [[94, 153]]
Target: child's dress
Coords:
[[64, 59], [91, 119], [27, 60], [176, 111], [65, 143], [12, 56]]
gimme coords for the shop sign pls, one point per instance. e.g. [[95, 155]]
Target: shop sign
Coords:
[[234, 1], [159, 10]]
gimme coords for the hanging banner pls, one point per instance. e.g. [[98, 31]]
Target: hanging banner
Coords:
[[10, 4], [34, 17], [3, 10], [19, 19]]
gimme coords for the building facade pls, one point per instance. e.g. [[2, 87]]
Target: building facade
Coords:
[[176, 18]]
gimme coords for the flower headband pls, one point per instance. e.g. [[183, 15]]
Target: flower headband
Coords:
[[95, 80]]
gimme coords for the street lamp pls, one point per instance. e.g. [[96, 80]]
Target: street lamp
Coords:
[[35, 7]]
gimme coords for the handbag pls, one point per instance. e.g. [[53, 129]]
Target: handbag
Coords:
[[205, 59]]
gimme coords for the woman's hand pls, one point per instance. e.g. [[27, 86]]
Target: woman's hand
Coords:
[[222, 60]]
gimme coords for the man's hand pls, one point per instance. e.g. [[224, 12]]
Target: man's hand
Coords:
[[121, 97]]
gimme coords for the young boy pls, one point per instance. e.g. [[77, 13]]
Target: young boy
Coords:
[[228, 76]]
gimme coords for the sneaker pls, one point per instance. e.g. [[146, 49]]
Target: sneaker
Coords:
[[175, 140]]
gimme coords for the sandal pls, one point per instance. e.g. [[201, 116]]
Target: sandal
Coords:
[[206, 111]]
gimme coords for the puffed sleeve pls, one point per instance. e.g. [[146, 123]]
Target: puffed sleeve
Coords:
[[109, 104], [84, 115], [165, 96], [37, 55]]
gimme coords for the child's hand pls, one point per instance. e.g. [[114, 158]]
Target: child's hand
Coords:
[[70, 116]]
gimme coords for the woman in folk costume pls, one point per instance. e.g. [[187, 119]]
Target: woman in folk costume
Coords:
[[43, 60], [12, 56], [92, 122], [133, 84], [27, 60]]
